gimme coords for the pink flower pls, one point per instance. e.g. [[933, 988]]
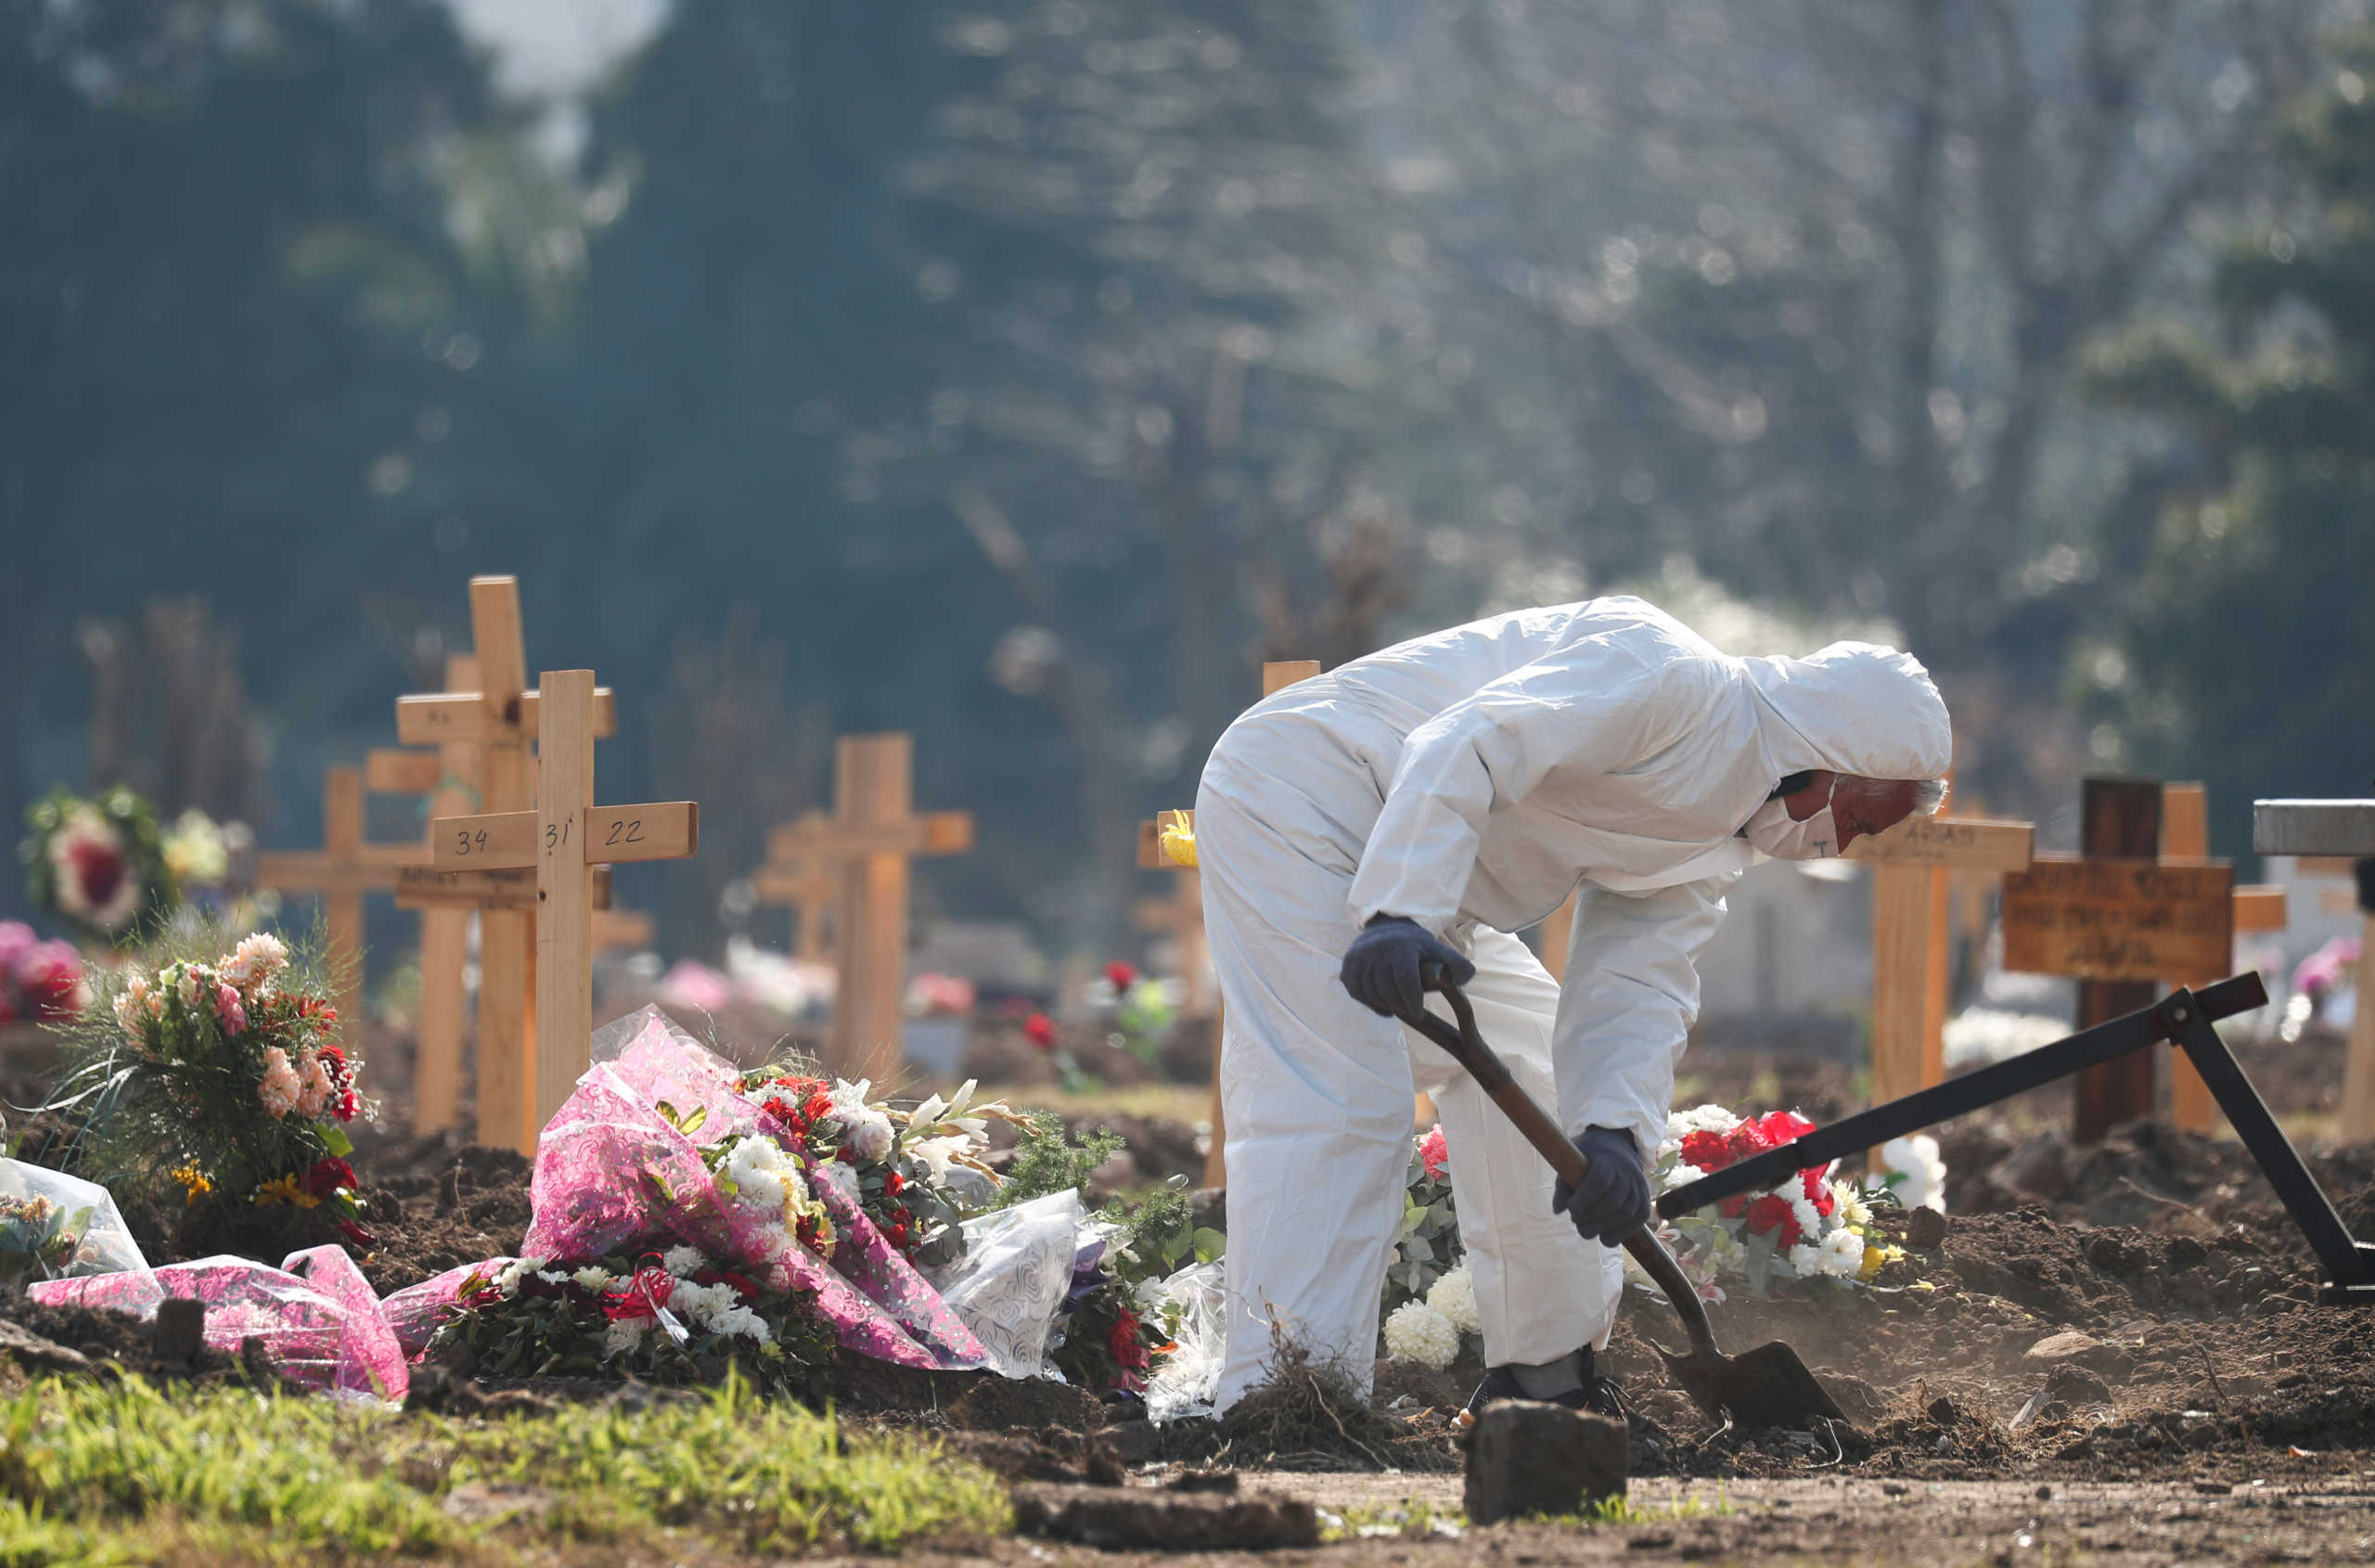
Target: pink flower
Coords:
[[313, 1086], [1432, 1155], [228, 1009], [279, 1090], [49, 981]]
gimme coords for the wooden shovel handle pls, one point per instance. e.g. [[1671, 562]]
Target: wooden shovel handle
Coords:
[[1466, 1045]]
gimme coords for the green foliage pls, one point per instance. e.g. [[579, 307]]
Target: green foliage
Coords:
[[2244, 652], [94, 1471], [1047, 1161]]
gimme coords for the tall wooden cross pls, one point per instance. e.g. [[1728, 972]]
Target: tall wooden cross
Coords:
[[2327, 830], [341, 871], [2185, 835], [496, 718], [1910, 864], [2120, 919], [1180, 916], [867, 841], [811, 884], [565, 838]]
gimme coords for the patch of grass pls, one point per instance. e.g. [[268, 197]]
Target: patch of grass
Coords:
[[93, 1474]]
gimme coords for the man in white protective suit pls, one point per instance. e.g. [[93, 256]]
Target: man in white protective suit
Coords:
[[1425, 803]]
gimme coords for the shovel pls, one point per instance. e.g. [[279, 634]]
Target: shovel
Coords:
[[1768, 1386]]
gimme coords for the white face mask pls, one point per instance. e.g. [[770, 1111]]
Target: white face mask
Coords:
[[1771, 831]]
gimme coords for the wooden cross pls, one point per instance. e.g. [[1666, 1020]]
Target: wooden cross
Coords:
[[565, 838], [2119, 919], [866, 844], [1911, 865], [2185, 835], [495, 717], [341, 871], [809, 882], [1181, 916], [2329, 829]]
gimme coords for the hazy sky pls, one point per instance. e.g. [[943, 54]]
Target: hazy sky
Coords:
[[557, 47]]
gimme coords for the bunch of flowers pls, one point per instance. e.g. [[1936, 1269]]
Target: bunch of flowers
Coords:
[[1428, 1308], [40, 982], [1141, 1009], [1807, 1228], [1117, 1327], [896, 1165], [98, 865], [220, 1075], [38, 1238], [670, 1315]]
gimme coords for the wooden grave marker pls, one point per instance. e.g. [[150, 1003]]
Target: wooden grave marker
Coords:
[[2185, 835], [806, 881], [1911, 864], [866, 844], [2121, 920], [2338, 831], [565, 838], [341, 873], [1180, 916], [496, 718]]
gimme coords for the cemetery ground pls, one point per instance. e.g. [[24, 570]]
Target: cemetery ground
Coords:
[[2103, 1354]]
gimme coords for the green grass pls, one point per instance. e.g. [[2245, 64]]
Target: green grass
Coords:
[[92, 1474], [1415, 1518]]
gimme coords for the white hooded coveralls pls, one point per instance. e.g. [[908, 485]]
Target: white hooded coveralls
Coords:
[[1469, 781]]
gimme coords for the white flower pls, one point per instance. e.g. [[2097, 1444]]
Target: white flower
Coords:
[[1806, 1261], [766, 1180], [680, 1261], [1913, 1170], [593, 1276], [625, 1334], [1418, 1333], [1453, 1295], [258, 957], [552, 1277], [1704, 1118], [870, 1137], [939, 1153], [1809, 1218], [507, 1278], [1681, 1176], [1842, 1253], [841, 1179], [718, 1309], [741, 1320], [1853, 1210], [185, 984]]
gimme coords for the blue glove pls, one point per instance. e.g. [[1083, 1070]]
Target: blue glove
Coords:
[[1381, 966], [1613, 1201]]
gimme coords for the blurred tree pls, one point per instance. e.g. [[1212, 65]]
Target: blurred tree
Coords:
[[2245, 652]]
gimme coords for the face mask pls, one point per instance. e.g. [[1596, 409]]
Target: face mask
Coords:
[[1771, 831]]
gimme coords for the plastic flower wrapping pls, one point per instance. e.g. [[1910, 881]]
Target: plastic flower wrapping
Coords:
[[659, 1161], [40, 982], [220, 1078], [1808, 1228], [98, 864]]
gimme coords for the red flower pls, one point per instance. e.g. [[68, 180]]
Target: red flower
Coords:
[[892, 1182], [1121, 974], [350, 1106], [1733, 1207], [1435, 1154], [816, 1107], [1039, 1030], [356, 1234], [99, 867], [1705, 1149], [1782, 1127], [1770, 1211], [327, 1175], [1746, 1139], [1122, 1339], [744, 1285], [1819, 1190], [50, 976]]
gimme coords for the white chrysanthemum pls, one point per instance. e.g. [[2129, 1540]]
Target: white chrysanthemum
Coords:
[[1704, 1118], [680, 1261], [764, 1176], [625, 1333], [1681, 1176], [1852, 1209], [1842, 1253], [741, 1320], [870, 1137], [1809, 1218], [1418, 1333], [507, 1278], [593, 1276], [1453, 1295], [841, 1179], [1806, 1261]]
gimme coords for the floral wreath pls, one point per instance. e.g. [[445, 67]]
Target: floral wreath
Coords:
[[97, 864]]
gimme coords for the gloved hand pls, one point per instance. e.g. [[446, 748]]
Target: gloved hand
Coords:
[[1613, 1201], [1381, 966]]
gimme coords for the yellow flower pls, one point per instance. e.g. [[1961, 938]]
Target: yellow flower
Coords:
[[284, 1189], [194, 1184], [1178, 844], [1874, 1258]]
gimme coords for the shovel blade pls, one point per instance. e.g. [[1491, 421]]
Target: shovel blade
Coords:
[[1765, 1387]]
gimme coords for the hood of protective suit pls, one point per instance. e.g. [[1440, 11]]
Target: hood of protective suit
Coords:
[[1855, 707]]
